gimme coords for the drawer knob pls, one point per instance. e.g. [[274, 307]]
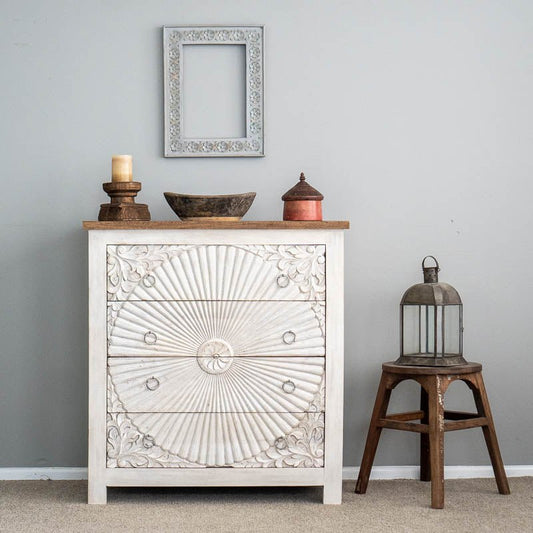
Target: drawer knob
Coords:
[[152, 383], [150, 337], [149, 281], [148, 441], [282, 281], [289, 337], [288, 386]]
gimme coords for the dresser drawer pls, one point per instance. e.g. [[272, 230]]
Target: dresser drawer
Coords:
[[231, 328], [216, 272], [215, 384], [199, 440]]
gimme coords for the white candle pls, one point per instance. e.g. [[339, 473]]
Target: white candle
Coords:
[[122, 168]]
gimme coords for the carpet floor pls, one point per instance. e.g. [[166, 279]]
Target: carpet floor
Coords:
[[471, 505]]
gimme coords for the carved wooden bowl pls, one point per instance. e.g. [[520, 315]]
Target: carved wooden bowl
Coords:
[[214, 207]]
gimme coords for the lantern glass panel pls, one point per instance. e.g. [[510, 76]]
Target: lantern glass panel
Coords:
[[411, 329], [428, 329], [431, 330], [453, 329]]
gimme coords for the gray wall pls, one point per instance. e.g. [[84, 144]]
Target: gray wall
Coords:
[[413, 117]]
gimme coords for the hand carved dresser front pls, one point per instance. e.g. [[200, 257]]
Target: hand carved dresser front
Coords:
[[216, 355]]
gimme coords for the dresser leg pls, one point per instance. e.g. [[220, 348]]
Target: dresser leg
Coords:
[[332, 494], [97, 493]]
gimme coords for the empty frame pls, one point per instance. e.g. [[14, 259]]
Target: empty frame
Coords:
[[214, 83]]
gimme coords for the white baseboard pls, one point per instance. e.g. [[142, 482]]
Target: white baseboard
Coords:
[[348, 472], [450, 472], [45, 473]]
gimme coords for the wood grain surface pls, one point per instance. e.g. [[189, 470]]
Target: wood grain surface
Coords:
[[247, 224]]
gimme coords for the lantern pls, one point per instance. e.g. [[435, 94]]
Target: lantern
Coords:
[[431, 322]]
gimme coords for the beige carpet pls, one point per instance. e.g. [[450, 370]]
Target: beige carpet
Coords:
[[471, 505]]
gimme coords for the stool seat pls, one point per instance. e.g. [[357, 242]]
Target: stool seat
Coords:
[[429, 370], [434, 421]]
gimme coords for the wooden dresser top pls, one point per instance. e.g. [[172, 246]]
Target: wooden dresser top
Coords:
[[242, 224]]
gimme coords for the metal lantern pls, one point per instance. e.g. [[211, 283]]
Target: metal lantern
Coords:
[[431, 322]]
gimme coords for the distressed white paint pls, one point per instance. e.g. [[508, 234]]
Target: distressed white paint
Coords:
[[199, 440], [249, 328], [182, 275], [97, 370], [334, 368], [216, 385], [213, 477], [216, 272]]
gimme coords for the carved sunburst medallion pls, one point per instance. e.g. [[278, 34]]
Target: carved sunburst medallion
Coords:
[[215, 356]]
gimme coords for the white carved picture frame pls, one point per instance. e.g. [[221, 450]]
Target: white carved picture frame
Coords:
[[174, 38]]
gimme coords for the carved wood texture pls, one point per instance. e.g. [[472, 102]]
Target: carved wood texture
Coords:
[[216, 355]]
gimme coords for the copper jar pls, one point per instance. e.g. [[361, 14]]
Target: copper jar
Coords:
[[302, 202]]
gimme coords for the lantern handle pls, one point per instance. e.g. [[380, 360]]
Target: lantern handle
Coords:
[[434, 259]]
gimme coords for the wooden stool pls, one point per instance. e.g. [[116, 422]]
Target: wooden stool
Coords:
[[434, 382]]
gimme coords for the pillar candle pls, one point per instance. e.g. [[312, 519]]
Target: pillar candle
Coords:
[[122, 168]]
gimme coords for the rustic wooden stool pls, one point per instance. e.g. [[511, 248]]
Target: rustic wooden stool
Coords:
[[434, 421]]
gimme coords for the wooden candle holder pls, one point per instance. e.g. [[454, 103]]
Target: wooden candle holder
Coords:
[[123, 206]]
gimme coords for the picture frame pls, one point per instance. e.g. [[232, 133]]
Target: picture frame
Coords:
[[176, 144]]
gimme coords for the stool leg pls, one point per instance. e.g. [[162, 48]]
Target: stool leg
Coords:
[[436, 439], [489, 432], [374, 432], [425, 472]]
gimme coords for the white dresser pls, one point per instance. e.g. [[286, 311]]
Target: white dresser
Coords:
[[215, 355]]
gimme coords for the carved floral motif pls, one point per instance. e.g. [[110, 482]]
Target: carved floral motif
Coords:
[[303, 265], [127, 265], [303, 447], [127, 447], [112, 313]]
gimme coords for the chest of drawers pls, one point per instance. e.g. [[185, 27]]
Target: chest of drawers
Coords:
[[215, 355]]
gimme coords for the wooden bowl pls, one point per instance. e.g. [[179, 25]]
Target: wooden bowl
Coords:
[[215, 207]]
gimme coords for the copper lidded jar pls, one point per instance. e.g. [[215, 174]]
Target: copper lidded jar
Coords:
[[431, 322], [302, 202]]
